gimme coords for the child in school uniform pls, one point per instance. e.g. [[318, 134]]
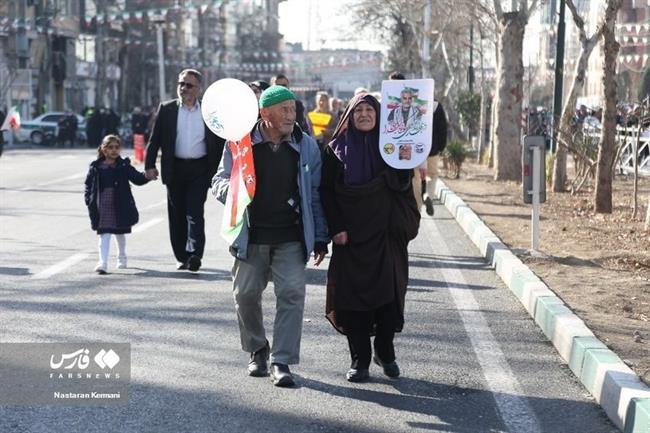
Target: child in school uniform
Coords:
[[111, 206]]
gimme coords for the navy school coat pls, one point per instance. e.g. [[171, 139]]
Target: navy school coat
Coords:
[[126, 211]]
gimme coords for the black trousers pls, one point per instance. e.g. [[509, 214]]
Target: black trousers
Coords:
[[359, 330], [186, 196]]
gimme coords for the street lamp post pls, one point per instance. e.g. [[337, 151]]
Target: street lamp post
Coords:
[[470, 70], [161, 61], [559, 76]]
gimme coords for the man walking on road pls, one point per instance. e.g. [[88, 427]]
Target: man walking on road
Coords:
[[285, 223], [190, 157]]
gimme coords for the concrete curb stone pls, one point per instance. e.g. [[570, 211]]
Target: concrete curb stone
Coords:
[[618, 390]]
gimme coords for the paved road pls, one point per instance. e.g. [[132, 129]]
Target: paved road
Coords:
[[472, 359]]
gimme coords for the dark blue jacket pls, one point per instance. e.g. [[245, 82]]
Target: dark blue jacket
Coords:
[[126, 212]]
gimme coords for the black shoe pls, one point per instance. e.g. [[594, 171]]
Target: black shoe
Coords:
[[193, 263], [181, 266], [428, 204], [357, 375], [281, 375], [391, 369], [258, 367]]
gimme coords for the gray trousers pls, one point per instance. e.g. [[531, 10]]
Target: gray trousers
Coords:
[[285, 265]]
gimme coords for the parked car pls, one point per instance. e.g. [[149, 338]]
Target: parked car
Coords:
[[46, 125]]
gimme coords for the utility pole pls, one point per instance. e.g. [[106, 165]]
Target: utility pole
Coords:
[[470, 70], [161, 60], [426, 39], [22, 45], [559, 75], [100, 55]]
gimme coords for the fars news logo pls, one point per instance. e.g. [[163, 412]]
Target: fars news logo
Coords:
[[73, 365]]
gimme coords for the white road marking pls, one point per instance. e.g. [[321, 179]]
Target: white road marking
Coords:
[[151, 206], [61, 266], [52, 182], [144, 226], [515, 411], [79, 257]]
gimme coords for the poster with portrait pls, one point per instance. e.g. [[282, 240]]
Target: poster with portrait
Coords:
[[405, 125]]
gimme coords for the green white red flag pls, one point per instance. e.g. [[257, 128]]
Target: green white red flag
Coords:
[[241, 189], [12, 121]]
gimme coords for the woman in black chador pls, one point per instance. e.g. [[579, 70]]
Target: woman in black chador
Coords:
[[372, 215]]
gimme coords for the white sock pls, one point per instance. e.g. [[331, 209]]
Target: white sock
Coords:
[[104, 248], [121, 248], [120, 240]]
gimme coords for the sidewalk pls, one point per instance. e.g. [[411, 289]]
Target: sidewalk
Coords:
[[625, 399]]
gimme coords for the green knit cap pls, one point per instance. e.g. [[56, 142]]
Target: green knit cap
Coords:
[[274, 95]]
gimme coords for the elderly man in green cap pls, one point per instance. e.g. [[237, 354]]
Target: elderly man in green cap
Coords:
[[285, 224]]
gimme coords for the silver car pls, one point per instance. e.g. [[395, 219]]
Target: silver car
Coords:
[[47, 124]]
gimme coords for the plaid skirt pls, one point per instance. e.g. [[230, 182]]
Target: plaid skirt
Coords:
[[107, 215]]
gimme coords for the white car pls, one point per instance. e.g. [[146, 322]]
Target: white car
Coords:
[[37, 129]]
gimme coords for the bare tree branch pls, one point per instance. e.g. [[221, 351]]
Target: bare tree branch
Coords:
[[498, 9], [531, 9]]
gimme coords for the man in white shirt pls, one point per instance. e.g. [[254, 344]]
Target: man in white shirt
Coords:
[[190, 155]]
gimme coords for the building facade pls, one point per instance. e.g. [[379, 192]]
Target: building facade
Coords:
[[71, 54], [632, 32], [339, 71]]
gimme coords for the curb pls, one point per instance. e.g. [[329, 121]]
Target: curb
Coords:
[[618, 390]]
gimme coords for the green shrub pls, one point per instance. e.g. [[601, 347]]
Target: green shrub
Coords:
[[455, 155]]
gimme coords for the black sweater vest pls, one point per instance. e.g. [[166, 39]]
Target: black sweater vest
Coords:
[[275, 209]]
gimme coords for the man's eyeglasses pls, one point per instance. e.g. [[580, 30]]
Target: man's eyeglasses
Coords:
[[185, 84]]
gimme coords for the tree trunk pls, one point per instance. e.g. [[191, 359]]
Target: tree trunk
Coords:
[[564, 131], [493, 111], [43, 77], [647, 216], [482, 124], [124, 95], [507, 146], [635, 152], [493, 130], [607, 145]]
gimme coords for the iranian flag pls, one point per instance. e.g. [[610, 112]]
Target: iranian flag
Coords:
[[12, 121], [241, 189]]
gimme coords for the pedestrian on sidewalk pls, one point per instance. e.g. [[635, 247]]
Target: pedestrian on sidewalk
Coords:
[[424, 183], [190, 155], [372, 215], [285, 224], [107, 194]]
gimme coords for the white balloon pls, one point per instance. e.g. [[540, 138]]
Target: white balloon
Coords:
[[229, 108]]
